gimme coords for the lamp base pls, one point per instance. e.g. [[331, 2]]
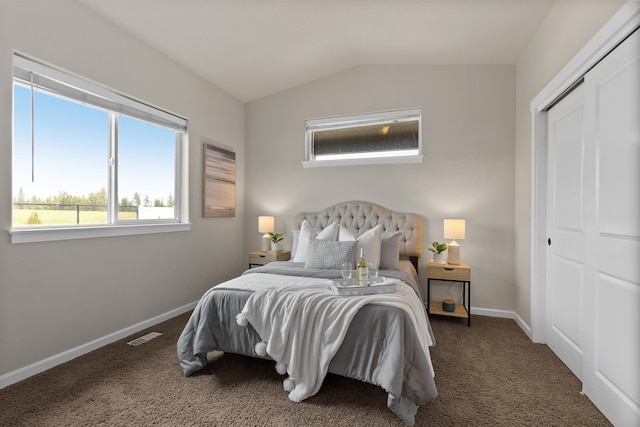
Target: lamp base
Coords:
[[453, 254], [266, 244]]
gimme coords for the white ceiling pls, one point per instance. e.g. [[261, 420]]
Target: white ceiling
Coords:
[[253, 48]]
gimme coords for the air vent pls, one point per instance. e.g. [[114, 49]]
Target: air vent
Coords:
[[143, 339]]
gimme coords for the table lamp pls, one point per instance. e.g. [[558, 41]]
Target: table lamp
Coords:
[[266, 226], [454, 229]]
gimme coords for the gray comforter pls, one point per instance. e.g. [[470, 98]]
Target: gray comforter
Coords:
[[387, 353]]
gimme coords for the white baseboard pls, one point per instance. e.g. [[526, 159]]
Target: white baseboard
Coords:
[[523, 325], [504, 314], [58, 359]]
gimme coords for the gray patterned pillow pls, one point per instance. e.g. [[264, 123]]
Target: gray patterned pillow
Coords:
[[330, 254]]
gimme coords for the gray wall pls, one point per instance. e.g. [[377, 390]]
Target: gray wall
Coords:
[[59, 295], [468, 170], [565, 30]]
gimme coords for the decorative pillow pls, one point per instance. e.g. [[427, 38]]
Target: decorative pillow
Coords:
[[390, 250], [306, 234], [330, 232], [294, 244], [330, 254], [369, 240]]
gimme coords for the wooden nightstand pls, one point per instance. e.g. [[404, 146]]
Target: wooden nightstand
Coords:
[[450, 273], [263, 258]]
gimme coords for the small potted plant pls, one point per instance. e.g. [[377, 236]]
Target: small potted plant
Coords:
[[275, 238], [438, 249]]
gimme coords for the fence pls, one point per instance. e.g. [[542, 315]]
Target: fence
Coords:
[[58, 213]]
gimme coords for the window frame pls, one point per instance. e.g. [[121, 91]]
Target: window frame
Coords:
[[75, 89], [354, 120]]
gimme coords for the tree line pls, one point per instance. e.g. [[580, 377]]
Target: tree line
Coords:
[[66, 201]]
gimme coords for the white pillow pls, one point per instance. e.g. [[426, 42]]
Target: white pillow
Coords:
[[294, 244], [330, 232], [369, 240], [306, 234]]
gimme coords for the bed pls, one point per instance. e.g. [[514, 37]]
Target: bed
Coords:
[[288, 310]]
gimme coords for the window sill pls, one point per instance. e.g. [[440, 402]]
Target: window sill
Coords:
[[370, 161], [54, 234]]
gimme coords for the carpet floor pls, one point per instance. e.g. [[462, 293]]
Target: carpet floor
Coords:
[[489, 374]]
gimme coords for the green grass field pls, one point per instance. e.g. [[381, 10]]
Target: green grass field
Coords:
[[51, 217]]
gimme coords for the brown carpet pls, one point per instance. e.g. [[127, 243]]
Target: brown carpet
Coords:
[[488, 374]]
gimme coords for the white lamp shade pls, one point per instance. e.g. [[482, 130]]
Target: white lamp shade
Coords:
[[265, 224], [454, 229]]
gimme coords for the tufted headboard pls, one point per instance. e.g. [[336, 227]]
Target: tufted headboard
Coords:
[[359, 216]]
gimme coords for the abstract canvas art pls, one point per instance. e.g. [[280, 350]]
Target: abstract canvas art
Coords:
[[219, 182]]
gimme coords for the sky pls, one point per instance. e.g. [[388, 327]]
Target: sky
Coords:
[[72, 150]]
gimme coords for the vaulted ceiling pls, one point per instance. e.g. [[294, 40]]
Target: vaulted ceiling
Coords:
[[253, 48]]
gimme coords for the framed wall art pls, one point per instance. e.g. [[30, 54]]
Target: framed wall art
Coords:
[[219, 182]]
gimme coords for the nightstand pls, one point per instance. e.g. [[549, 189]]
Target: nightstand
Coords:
[[450, 273], [263, 258]]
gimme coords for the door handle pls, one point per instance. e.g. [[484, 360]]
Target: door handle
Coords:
[[549, 241]]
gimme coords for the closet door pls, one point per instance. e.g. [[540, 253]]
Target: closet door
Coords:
[[611, 374], [566, 230]]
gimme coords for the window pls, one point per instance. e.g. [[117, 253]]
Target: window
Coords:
[[383, 137], [89, 162]]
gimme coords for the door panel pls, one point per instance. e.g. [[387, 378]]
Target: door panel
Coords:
[[618, 127], [618, 319], [565, 255], [566, 304], [567, 165], [611, 371]]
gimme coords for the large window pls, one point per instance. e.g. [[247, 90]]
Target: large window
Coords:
[[383, 137], [90, 162]]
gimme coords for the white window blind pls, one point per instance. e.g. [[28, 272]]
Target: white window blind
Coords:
[[59, 83]]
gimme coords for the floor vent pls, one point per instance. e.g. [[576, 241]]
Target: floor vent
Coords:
[[143, 339]]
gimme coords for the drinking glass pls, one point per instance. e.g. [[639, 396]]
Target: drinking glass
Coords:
[[373, 273], [347, 270]]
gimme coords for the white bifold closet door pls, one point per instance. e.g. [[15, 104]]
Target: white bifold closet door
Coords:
[[593, 217]]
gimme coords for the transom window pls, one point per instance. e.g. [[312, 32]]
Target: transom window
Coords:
[[86, 158], [382, 137]]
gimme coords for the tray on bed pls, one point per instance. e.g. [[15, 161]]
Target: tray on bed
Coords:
[[347, 288]]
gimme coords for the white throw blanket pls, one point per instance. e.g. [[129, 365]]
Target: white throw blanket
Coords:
[[261, 281], [304, 328]]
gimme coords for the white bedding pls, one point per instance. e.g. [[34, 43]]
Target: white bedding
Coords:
[[304, 326]]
